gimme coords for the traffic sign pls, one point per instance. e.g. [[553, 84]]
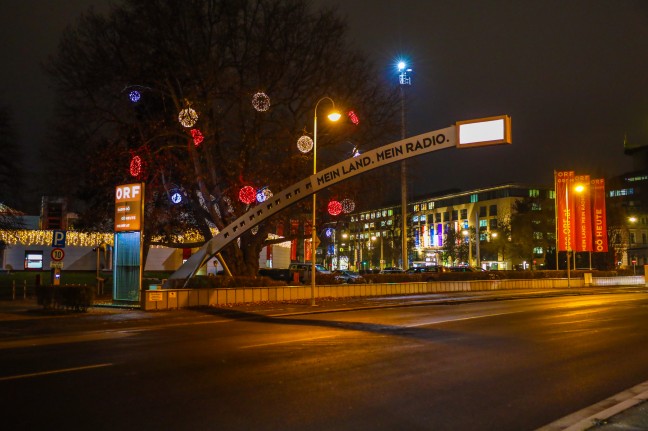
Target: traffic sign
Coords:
[[58, 238], [57, 254]]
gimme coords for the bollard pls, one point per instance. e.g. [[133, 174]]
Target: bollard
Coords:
[[13, 290]]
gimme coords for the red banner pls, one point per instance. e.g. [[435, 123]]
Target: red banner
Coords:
[[564, 204], [582, 213], [599, 216]]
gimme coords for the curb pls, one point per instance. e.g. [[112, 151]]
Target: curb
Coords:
[[597, 414]]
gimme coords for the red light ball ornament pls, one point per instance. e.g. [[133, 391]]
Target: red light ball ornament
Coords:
[[136, 166], [334, 208], [247, 195], [197, 136]]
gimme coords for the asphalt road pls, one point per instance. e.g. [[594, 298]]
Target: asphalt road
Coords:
[[494, 365]]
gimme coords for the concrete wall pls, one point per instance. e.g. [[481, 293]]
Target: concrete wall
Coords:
[[181, 298]]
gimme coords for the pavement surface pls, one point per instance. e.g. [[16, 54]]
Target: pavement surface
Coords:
[[624, 411]]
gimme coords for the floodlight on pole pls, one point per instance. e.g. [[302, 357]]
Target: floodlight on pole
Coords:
[[334, 115]]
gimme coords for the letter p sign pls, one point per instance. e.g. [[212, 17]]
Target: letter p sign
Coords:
[[58, 238]]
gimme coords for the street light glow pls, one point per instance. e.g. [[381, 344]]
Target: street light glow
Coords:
[[401, 65]]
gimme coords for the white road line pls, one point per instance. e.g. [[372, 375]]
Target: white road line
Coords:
[[45, 373], [459, 319], [63, 339], [289, 341]]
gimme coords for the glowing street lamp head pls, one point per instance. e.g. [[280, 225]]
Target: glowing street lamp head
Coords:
[[401, 65], [579, 188], [334, 116]]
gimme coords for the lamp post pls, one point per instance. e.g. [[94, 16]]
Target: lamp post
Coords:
[[578, 188], [404, 79], [333, 116]]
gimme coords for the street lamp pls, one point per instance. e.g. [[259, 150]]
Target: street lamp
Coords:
[[334, 115], [404, 79], [578, 189], [466, 233]]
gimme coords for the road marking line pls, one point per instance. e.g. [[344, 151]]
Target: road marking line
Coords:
[[63, 339], [436, 322], [289, 341], [45, 373]]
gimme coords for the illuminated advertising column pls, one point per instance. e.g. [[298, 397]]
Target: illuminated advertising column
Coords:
[[564, 214], [599, 228], [582, 214], [129, 222]]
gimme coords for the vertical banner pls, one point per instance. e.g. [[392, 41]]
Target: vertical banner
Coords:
[[582, 213], [564, 204], [308, 251], [599, 217]]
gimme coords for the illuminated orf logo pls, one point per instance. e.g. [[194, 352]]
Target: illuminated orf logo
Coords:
[[128, 192]]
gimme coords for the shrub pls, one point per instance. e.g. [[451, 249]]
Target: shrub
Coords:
[[73, 297]]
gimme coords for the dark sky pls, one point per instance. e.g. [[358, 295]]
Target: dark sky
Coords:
[[573, 75]]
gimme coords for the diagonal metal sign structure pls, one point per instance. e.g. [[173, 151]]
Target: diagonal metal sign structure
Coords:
[[376, 158]]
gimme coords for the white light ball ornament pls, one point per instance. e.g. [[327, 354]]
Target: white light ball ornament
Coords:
[[347, 206], [188, 117], [263, 195], [305, 144], [261, 102]]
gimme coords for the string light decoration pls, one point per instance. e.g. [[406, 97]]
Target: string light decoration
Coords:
[[347, 206], [197, 137], [188, 117], [247, 195], [305, 144], [353, 117], [261, 102], [134, 96], [263, 195], [334, 208], [136, 166]]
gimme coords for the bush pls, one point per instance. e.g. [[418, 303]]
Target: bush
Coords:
[[73, 297]]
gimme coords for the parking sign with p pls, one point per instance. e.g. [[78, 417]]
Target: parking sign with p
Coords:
[[58, 238]]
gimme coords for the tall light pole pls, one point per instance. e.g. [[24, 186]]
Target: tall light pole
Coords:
[[333, 116], [404, 79]]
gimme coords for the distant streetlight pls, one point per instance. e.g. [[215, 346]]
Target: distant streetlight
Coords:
[[334, 115]]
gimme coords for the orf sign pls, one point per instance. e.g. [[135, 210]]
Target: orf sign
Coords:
[[129, 207]]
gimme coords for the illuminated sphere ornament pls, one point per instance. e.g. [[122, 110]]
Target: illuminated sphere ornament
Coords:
[[197, 136], [328, 232], [188, 117], [263, 195], [136, 166], [176, 196], [247, 195], [347, 206], [334, 208], [261, 102], [353, 117], [305, 144], [134, 96]]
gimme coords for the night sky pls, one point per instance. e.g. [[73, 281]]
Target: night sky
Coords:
[[572, 74]]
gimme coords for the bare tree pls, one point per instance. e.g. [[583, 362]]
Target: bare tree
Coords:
[[124, 78]]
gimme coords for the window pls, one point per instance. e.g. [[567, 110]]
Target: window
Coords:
[[415, 219], [493, 223], [464, 214], [373, 216], [390, 222], [622, 192], [455, 215], [534, 193], [492, 211], [535, 206], [482, 211], [446, 216], [366, 225], [416, 207], [537, 235], [384, 213], [33, 260], [483, 223], [430, 205], [362, 216], [643, 238], [632, 237], [474, 198], [390, 212], [437, 217], [422, 218], [537, 251]]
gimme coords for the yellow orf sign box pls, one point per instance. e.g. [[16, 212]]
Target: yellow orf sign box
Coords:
[[129, 208]]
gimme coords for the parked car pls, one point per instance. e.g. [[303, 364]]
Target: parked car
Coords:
[[465, 268], [427, 268], [304, 270], [348, 276], [392, 270]]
